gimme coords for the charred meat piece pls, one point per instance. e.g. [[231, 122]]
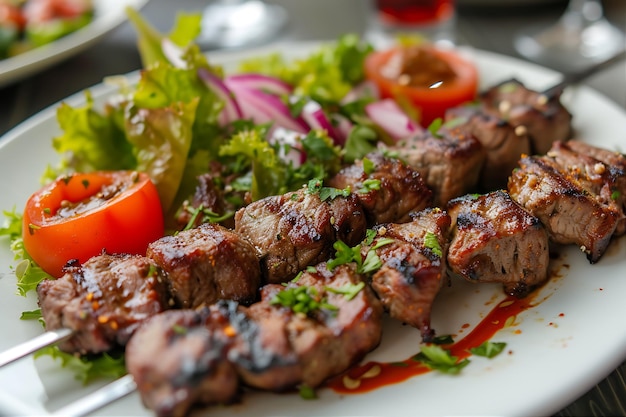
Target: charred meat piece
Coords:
[[504, 144], [388, 189], [570, 212], [450, 161], [413, 267], [205, 356], [544, 118], [298, 229], [206, 264], [327, 341], [178, 361], [601, 172], [103, 301], [496, 240]]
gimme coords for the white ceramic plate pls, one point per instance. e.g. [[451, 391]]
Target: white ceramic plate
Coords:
[[555, 352], [108, 14]]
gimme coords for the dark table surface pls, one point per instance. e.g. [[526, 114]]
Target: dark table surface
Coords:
[[483, 24]]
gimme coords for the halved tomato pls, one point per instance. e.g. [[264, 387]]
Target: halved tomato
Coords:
[[81, 215], [392, 70]]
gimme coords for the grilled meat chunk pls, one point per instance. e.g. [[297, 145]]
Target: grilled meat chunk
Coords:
[[450, 161], [388, 189], [544, 118], [330, 340], [504, 143], [206, 264], [178, 361], [413, 267], [298, 229], [601, 172], [205, 356], [496, 240], [103, 301], [570, 212]]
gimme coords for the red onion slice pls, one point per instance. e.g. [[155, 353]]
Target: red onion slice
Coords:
[[231, 111], [365, 89], [265, 83], [314, 116], [265, 108], [392, 119]]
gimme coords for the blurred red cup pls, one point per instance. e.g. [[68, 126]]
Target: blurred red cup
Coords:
[[434, 19], [414, 12]]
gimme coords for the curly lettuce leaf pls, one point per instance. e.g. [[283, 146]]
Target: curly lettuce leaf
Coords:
[[91, 139], [268, 172], [325, 75], [150, 41], [162, 138], [28, 274], [88, 368]]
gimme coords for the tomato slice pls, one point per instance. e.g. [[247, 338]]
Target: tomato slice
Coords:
[[81, 215], [430, 102]]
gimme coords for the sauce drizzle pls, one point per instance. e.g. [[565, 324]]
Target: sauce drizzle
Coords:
[[373, 375]]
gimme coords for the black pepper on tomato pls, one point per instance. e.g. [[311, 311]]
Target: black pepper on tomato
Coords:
[[81, 215]]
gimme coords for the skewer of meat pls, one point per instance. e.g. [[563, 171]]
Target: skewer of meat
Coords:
[[272, 345], [96, 306], [185, 264]]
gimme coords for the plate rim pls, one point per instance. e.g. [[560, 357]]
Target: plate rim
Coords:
[[100, 89], [23, 65]]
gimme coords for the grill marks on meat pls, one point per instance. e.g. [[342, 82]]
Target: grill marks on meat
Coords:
[[206, 264], [298, 229], [496, 240], [450, 162], [177, 360], [569, 195], [601, 172], [413, 269], [209, 353], [504, 143], [103, 301], [402, 190], [544, 118]]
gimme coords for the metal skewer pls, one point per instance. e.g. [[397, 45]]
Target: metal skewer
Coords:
[[576, 77], [46, 339], [100, 398]]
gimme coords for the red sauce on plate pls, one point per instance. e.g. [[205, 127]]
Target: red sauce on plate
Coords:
[[373, 375]]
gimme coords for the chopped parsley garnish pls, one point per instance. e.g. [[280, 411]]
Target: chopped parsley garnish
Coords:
[[307, 393], [615, 195], [431, 242], [368, 166], [208, 216], [349, 291], [345, 254], [302, 299], [369, 185], [434, 127], [325, 193], [489, 349], [31, 315], [439, 359]]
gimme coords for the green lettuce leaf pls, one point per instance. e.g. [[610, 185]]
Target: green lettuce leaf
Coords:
[[325, 75]]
